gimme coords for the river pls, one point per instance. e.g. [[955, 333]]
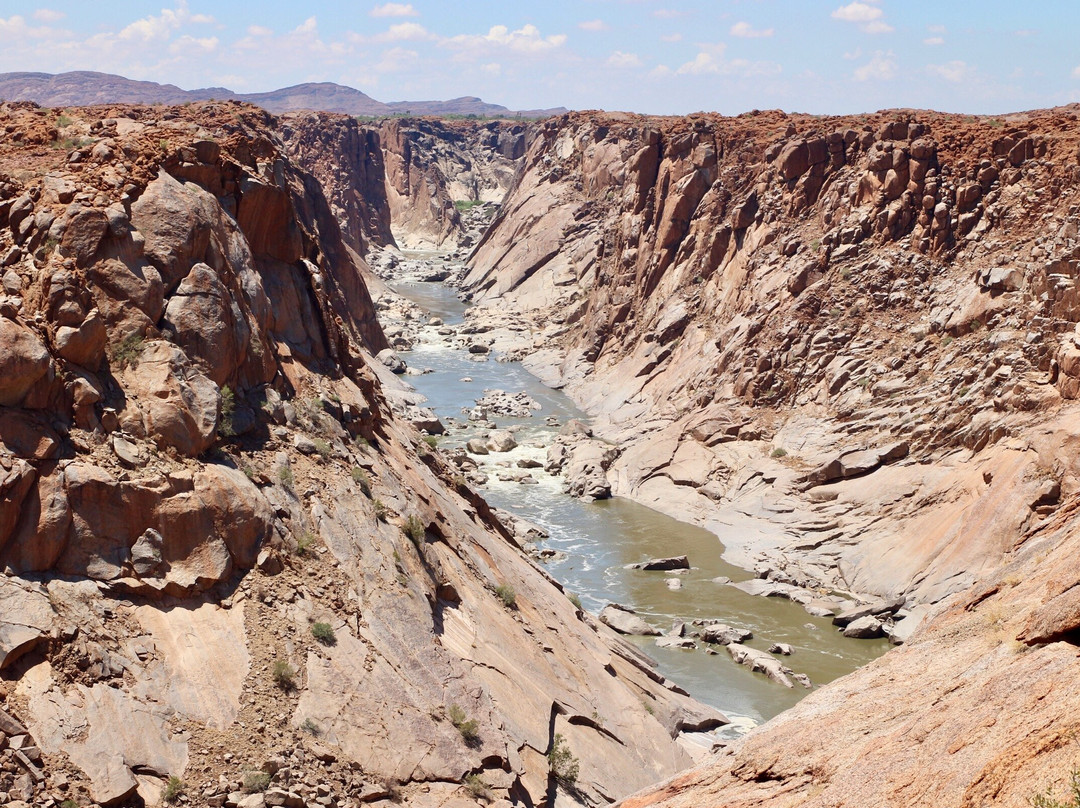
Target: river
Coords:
[[597, 540]]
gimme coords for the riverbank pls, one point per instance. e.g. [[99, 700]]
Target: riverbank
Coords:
[[589, 544]]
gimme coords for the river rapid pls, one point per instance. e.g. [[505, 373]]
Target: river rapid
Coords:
[[595, 541]]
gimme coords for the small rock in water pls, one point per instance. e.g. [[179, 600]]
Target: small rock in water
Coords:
[[674, 583], [466, 379], [781, 648]]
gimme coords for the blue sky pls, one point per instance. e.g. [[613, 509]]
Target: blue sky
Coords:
[[656, 56]]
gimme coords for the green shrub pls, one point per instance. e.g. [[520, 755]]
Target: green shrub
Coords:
[[323, 448], [69, 804], [507, 595], [63, 121], [256, 781], [779, 452], [466, 204], [1047, 799], [564, 766], [477, 788], [468, 727], [305, 543], [431, 441], [174, 789], [380, 509], [227, 407], [284, 675], [311, 728], [127, 353], [361, 478], [575, 599], [414, 529], [324, 633], [285, 477]]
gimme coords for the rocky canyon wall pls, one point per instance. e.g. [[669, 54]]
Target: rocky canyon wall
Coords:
[[432, 164], [847, 346], [225, 560]]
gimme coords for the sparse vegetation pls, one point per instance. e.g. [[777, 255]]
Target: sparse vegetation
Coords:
[[324, 633], [69, 804], [310, 727], [284, 675], [431, 441], [63, 121], [477, 788], [127, 353], [50, 245], [468, 727], [323, 448], [414, 529], [380, 509], [1048, 800], [70, 143], [285, 477], [305, 543], [779, 452], [562, 762], [227, 407], [362, 442], [466, 204], [507, 595], [361, 478], [576, 600], [174, 789], [256, 781], [815, 245]]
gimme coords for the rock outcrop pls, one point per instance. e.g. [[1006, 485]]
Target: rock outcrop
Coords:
[[431, 165], [227, 566], [848, 346]]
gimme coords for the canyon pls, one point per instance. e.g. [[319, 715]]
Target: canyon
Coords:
[[846, 346]]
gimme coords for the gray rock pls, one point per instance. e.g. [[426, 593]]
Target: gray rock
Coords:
[[759, 661], [625, 621], [781, 648], [146, 552], [389, 357], [864, 628], [476, 446], [723, 634], [672, 563], [501, 441], [126, 452], [686, 643]]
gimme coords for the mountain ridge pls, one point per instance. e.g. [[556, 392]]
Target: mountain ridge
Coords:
[[87, 87]]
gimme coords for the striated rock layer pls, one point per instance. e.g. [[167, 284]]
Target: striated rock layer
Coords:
[[848, 346], [225, 561]]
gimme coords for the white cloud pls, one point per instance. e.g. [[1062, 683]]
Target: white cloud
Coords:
[[48, 15], [1076, 72], [668, 13], [259, 30], [395, 10], [955, 71], [934, 40], [593, 25], [526, 40], [936, 29], [661, 72], [853, 55], [882, 67], [187, 44], [866, 16], [857, 12], [747, 31], [671, 38], [397, 60], [703, 63], [623, 60], [404, 31], [491, 69]]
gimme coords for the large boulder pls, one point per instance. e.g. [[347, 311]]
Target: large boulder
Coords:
[[25, 618], [24, 360], [83, 345], [208, 323], [624, 621], [179, 403]]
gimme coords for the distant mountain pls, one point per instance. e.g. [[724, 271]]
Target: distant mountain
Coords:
[[83, 87]]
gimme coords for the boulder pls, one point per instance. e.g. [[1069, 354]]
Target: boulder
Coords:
[[25, 618], [760, 662], [181, 404], [208, 324], [85, 345], [723, 634], [625, 621], [863, 628], [782, 648], [670, 563], [586, 468], [24, 360], [686, 643], [501, 440], [389, 357]]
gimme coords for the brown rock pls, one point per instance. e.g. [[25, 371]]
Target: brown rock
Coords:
[[24, 360]]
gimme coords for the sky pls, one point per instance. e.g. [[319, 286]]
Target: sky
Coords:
[[652, 56]]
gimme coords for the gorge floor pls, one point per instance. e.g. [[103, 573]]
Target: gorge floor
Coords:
[[594, 542]]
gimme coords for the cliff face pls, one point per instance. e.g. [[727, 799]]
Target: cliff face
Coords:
[[432, 164], [225, 560], [848, 346], [347, 161]]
